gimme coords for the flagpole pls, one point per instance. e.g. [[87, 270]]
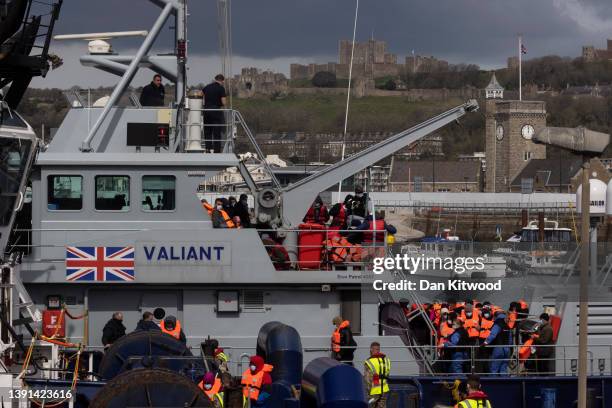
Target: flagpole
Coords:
[[348, 93], [520, 51]]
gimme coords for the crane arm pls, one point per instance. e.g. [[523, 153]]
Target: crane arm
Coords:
[[297, 197]]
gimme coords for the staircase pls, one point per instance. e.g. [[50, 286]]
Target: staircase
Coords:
[[425, 355]]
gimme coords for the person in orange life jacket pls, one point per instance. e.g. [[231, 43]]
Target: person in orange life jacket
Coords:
[[476, 398], [213, 389], [501, 338], [257, 382], [172, 326], [317, 213], [339, 212], [219, 216], [471, 323], [343, 343], [456, 344]]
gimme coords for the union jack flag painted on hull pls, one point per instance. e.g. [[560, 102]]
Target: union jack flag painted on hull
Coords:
[[100, 264]]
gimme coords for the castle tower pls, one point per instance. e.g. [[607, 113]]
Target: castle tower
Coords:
[[509, 127]]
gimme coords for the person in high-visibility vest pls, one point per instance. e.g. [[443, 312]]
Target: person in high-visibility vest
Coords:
[[476, 398], [376, 373], [221, 359], [172, 326], [256, 382], [213, 389]]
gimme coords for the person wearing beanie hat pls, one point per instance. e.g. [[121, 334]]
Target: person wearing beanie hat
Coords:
[[211, 385], [257, 382]]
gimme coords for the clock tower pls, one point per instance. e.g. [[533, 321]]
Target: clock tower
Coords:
[[510, 126]]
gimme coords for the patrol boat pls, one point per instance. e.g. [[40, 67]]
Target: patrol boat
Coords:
[[115, 224]]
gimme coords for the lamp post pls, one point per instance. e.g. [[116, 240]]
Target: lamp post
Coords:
[[589, 144]]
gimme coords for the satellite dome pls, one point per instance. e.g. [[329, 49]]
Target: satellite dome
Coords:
[[597, 198]]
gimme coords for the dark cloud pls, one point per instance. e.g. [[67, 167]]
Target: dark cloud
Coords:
[[461, 30]]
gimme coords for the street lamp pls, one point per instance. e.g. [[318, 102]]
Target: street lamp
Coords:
[[589, 144]]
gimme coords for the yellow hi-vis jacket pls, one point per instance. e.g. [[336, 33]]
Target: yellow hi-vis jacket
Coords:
[[380, 367], [472, 403]]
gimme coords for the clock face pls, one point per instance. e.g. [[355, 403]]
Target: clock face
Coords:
[[527, 132], [499, 132]]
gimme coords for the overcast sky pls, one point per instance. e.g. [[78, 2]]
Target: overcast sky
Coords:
[[274, 33]]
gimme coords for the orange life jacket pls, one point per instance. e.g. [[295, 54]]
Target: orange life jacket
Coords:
[[339, 250], [471, 326], [176, 333], [213, 391], [485, 328], [251, 383], [228, 221], [376, 230], [336, 336], [525, 350]]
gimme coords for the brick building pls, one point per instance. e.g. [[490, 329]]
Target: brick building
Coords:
[[591, 54]]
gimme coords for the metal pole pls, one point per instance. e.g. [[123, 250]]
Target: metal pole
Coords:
[[520, 50], [181, 37], [584, 281], [348, 92]]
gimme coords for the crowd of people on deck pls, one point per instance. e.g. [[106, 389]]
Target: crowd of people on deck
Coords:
[[482, 337]]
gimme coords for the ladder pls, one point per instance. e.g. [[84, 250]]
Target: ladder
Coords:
[[426, 356], [17, 308]]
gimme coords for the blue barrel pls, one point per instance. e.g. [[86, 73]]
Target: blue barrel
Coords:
[[549, 397], [326, 383], [280, 345]]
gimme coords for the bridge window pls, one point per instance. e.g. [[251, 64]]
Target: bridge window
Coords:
[[113, 193], [64, 193], [158, 193]]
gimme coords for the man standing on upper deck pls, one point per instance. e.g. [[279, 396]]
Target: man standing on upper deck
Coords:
[[214, 121], [154, 93]]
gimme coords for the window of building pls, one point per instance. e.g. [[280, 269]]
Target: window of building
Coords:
[[64, 193], [443, 190], [527, 156], [158, 193], [113, 193], [418, 184]]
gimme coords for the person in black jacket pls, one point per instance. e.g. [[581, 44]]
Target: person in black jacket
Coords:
[[343, 343], [241, 210], [147, 323], [113, 330], [154, 93]]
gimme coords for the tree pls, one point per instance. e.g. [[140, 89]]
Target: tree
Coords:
[[390, 85], [324, 79]]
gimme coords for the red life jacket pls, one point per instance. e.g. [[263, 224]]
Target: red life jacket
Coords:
[[376, 230], [312, 218], [340, 219]]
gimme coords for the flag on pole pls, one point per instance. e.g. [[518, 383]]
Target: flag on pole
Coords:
[[523, 49]]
